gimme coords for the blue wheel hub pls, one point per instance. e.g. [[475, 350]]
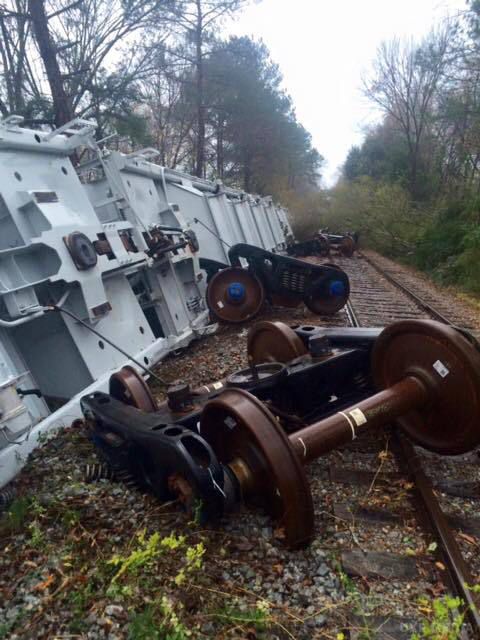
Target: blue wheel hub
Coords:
[[236, 292], [336, 288]]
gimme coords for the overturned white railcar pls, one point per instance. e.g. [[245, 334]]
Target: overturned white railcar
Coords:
[[99, 267]]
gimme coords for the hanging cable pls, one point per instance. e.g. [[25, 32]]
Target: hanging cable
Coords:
[[197, 221], [108, 341]]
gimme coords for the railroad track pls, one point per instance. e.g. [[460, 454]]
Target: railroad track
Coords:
[[360, 474], [380, 295], [353, 487]]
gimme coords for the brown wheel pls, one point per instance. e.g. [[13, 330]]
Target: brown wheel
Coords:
[[242, 431], [273, 342], [235, 295], [449, 365], [129, 387], [323, 245], [329, 293], [347, 247]]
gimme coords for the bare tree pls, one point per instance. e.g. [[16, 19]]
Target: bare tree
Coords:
[[19, 82], [197, 20], [80, 45], [62, 103], [406, 81], [169, 111]]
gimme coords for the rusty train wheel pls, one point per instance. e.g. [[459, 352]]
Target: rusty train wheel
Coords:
[[275, 477], [129, 387], [445, 361], [347, 247], [323, 244], [328, 294], [235, 295], [273, 342]]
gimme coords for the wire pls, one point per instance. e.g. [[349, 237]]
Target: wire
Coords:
[[197, 221], [108, 341]]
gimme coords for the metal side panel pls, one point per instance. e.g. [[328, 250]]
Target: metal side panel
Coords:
[[235, 222], [13, 458], [193, 204], [275, 225], [259, 214], [220, 212], [247, 223], [283, 214], [15, 363], [63, 375]]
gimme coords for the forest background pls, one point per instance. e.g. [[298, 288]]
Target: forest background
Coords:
[[161, 74]]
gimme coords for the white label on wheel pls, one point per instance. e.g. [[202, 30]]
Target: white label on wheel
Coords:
[[441, 369], [230, 422], [358, 417], [217, 385], [220, 304]]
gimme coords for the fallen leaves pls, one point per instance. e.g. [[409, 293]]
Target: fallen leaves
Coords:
[[467, 538], [43, 586]]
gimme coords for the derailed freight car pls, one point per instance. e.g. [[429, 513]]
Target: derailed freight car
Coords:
[[100, 272]]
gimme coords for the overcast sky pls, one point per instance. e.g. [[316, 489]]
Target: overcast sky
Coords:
[[324, 47]]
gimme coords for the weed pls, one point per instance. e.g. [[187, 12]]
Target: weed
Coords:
[[445, 619], [258, 616], [37, 537], [144, 626], [78, 625], [6, 628], [197, 513], [143, 555], [70, 518], [118, 592], [361, 606], [194, 561], [79, 601], [17, 514], [146, 553], [80, 598], [172, 542], [158, 621]]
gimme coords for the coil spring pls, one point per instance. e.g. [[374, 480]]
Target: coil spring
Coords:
[[103, 471], [95, 472], [126, 478], [194, 304], [7, 496], [293, 280]]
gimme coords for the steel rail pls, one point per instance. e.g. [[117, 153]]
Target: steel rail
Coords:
[[460, 577], [435, 313]]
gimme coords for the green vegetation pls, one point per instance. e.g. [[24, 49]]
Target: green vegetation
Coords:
[[17, 514], [157, 622], [259, 617], [25, 514], [144, 554], [444, 621], [412, 188]]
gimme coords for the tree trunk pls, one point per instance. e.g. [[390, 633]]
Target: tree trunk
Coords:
[[247, 175], [220, 160], [200, 146], [61, 103]]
